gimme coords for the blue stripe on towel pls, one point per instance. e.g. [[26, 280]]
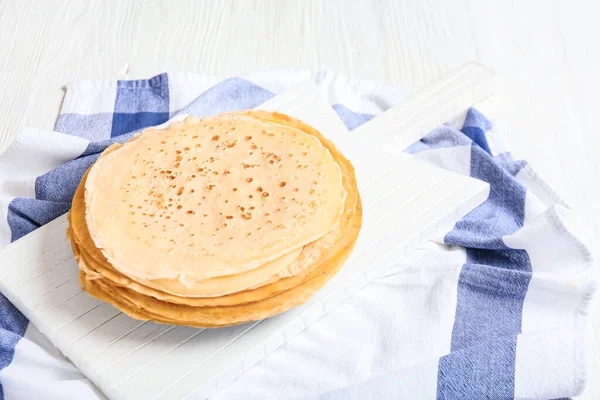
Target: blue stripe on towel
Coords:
[[12, 328], [351, 119], [26, 215], [482, 371], [140, 103], [491, 288], [90, 126], [230, 95], [475, 127]]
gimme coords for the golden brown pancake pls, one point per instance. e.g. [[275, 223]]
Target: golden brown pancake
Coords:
[[212, 197], [315, 263]]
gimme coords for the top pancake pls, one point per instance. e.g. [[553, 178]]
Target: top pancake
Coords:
[[313, 257], [212, 197]]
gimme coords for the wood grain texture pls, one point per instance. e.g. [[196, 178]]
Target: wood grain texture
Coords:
[[545, 51]]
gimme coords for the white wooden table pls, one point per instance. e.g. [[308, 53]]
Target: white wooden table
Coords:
[[545, 51]]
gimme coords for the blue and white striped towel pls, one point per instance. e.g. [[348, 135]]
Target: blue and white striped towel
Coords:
[[498, 310]]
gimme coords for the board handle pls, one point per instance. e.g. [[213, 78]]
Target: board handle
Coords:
[[425, 110]]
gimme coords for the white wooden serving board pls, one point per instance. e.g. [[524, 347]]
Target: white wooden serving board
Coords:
[[405, 202]]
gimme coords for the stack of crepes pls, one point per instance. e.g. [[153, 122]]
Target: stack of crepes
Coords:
[[215, 221]]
